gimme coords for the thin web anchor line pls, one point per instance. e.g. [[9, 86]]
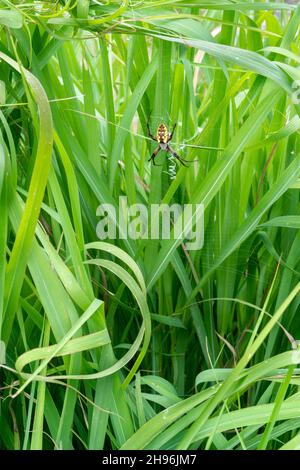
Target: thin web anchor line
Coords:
[[100, 118]]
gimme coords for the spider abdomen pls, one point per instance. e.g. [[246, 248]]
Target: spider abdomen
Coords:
[[162, 134]]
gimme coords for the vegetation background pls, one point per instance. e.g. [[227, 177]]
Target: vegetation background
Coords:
[[141, 344]]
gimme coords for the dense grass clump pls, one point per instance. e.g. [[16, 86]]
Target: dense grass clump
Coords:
[[134, 343]]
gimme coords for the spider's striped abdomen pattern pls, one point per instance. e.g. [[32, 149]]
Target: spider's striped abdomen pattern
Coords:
[[162, 134], [163, 137]]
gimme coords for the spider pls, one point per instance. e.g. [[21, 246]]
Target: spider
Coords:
[[163, 137]]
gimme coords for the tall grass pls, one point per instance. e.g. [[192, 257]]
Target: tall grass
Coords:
[[137, 343]]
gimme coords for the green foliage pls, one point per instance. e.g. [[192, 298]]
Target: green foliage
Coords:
[[137, 343]]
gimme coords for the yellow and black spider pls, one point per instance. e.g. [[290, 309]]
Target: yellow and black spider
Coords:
[[163, 137]]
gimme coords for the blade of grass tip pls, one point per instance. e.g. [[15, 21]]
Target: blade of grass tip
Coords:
[[20, 252]]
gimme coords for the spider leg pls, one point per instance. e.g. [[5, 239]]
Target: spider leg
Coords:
[[172, 132], [149, 130], [154, 155], [182, 160]]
